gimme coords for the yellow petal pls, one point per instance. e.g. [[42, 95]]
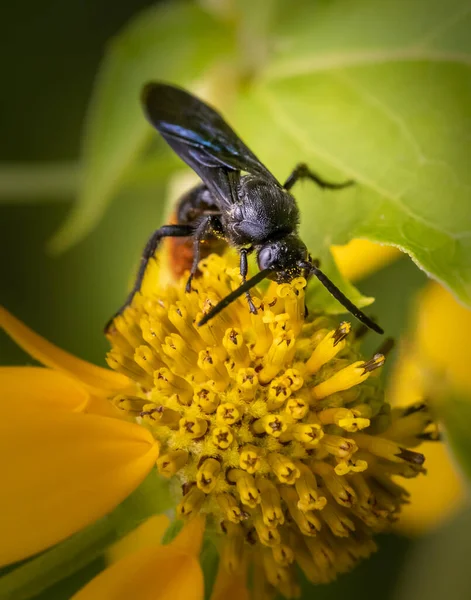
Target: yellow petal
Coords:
[[360, 258], [190, 537], [436, 496], [52, 390], [100, 405], [147, 535], [50, 355], [229, 586], [61, 471], [46, 389], [159, 573], [152, 574], [406, 384], [443, 335]]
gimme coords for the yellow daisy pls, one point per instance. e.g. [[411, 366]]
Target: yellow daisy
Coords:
[[437, 342], [272, 430], [437, 347]]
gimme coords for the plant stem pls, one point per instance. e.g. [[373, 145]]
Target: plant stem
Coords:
[[39, 182]]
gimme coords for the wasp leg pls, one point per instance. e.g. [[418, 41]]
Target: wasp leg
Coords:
[[149, 251], [302, 171], [244, 267], [208, 225]]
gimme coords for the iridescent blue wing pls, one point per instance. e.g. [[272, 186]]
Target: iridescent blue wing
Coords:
[[201, 137]]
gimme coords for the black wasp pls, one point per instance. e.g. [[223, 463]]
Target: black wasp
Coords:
[[252, 212]]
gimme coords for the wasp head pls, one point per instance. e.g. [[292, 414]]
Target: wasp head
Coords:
[[286, 258]]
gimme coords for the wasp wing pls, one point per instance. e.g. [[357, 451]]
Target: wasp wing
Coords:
[[201, 137]]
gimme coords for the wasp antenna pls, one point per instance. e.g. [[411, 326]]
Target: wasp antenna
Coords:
[[245, 287], [338, 295]]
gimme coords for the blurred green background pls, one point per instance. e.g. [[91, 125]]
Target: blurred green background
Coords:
[[50, 53], [50, 56]]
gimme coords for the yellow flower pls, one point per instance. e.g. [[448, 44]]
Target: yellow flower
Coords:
[[436, 350], [271, 426], [438, 341]]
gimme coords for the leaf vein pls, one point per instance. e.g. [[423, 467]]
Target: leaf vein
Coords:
[[361, 58], [387, 111]]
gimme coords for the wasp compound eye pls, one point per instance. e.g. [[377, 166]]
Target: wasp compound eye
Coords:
[[265, 258]]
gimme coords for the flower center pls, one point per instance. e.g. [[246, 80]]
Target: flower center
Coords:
[[272, 423]]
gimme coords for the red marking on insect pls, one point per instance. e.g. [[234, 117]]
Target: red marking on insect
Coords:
[[180, 251]]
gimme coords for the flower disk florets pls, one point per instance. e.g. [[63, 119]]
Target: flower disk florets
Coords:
[[272, 423]]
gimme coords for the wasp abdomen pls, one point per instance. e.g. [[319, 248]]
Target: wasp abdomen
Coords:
[[192, 207]]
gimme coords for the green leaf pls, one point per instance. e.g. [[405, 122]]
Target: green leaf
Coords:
[[67, 587], [172, 531], [379, 93], [209, 560], [455, 414], [32, 577], [178, 42]]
